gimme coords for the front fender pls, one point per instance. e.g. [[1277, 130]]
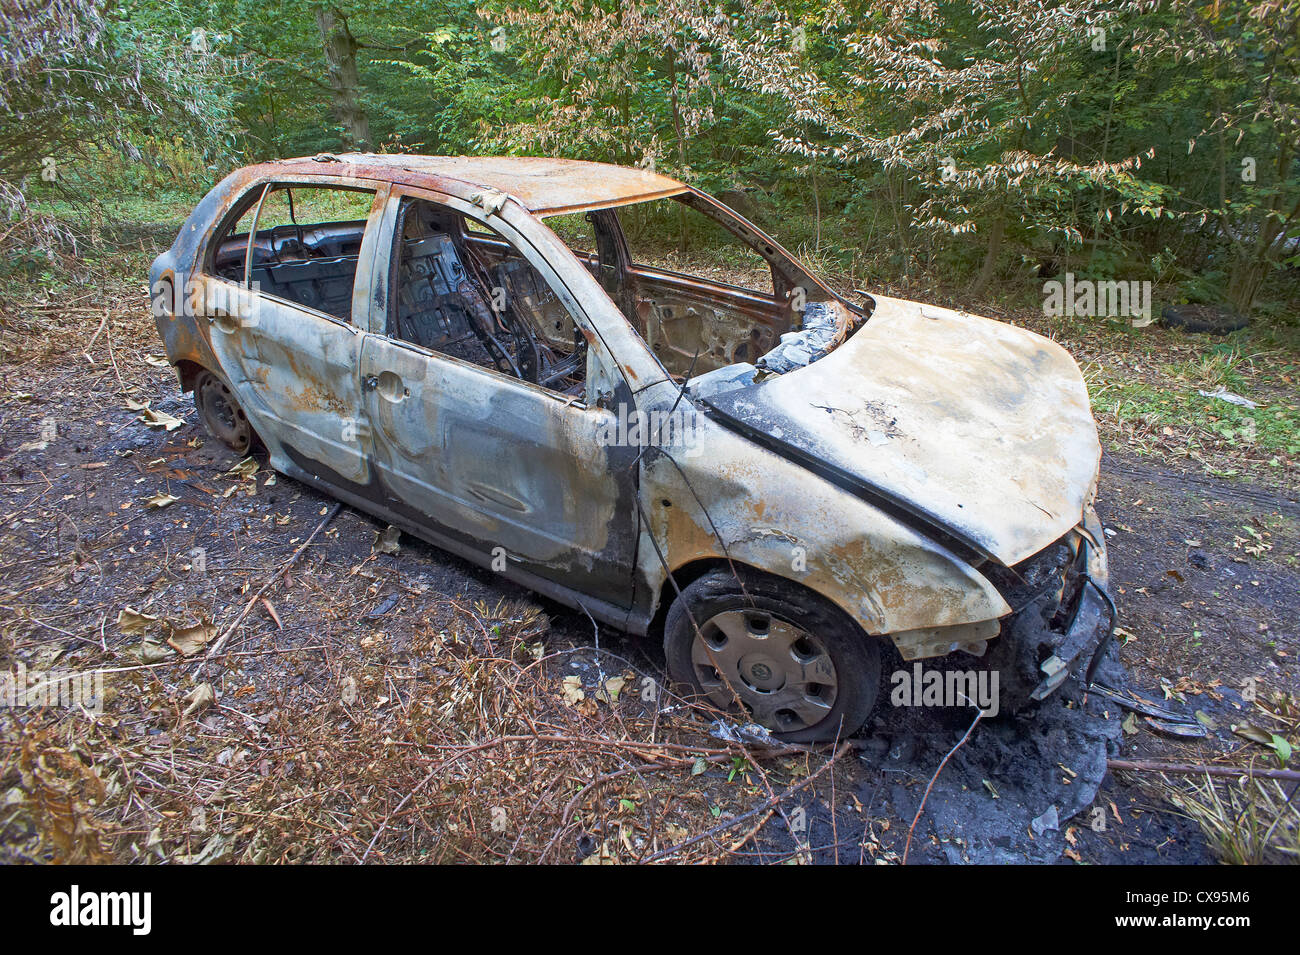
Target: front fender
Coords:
[[719, 496]]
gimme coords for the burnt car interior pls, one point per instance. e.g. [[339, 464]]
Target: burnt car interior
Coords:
[[310, 264], [658, 260], [464, 291], [696, 285]]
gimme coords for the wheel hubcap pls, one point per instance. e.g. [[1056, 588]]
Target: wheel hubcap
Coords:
[[782, 674]]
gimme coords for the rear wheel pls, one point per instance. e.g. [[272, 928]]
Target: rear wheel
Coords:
[[797, 664], [221, 414]]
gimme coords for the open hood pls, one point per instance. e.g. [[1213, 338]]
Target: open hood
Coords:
[[977, 430]]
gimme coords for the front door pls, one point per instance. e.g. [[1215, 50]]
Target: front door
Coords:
[[519, 471]]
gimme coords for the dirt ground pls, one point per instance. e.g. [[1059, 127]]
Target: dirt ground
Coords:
[[406, 705]]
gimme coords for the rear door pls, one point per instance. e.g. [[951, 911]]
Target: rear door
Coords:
[[287, 302]]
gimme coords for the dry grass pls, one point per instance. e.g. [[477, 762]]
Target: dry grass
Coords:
[[1246, 821], [473, 749]]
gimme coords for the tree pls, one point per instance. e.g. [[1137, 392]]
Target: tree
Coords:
[[967, 108], [79, 75], [341, 66], [628, 82], [1243, 57]]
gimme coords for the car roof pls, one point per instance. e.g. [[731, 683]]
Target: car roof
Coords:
[[543, 186]]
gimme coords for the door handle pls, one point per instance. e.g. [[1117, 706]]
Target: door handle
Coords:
[[223, 320], [388, 384]]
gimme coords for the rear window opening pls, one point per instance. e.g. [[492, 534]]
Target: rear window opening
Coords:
[[305, 243]]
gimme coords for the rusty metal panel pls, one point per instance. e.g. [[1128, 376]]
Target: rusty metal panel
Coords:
[[767, 512], [983, 428], [543, 186]]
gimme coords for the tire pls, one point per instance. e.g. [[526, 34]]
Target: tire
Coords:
[[819, 683], [221, 413]]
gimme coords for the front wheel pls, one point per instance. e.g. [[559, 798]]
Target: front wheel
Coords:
[[796, 663]]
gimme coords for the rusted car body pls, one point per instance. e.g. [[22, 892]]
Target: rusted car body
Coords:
[[925, 474]]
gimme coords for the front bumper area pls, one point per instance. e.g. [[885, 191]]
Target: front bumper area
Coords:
[[1062, 614], [1091, 626]]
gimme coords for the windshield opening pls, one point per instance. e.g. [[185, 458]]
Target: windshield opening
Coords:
[[718, 302]]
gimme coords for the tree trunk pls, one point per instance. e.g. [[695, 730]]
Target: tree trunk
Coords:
[[990, 257], [682, 224], [1253, 261], [1250, 266], [340, 48]]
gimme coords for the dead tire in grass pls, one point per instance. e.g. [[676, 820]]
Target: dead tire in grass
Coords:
[[1203, 319], [799, 665], [221, 414]]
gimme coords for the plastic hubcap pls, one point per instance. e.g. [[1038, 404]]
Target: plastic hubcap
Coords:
[[781, 673]]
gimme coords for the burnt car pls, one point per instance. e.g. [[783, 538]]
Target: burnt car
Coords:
[[615, 391]]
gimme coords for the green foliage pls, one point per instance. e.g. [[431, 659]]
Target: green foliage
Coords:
[[77, 76], [909, 141]]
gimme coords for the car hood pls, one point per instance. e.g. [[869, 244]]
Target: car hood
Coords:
[[975, 429]]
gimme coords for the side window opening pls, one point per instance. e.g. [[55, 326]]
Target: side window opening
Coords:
[[463, 290], [305, 248], [575, 229]]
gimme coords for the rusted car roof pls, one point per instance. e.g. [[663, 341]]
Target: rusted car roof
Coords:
[[543, 186]]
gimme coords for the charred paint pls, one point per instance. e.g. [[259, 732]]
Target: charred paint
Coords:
[[968, 441]]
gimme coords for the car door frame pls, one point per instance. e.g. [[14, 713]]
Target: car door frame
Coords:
[[792, 286], [575, 578], [315, 435]]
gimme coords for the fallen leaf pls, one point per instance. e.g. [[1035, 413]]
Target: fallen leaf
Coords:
[[153, 418], [214, 850], [610, 691], [1253, 733], [161, 500], [200, 698], [245, 468], [571, 687], [151, 651], [133, 621], [387, 541], [189, 640]]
